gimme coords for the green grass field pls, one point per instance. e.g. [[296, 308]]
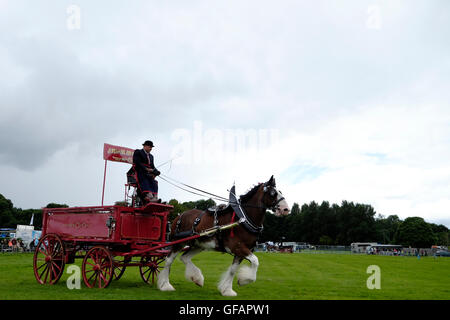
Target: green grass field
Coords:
[[280, 277]]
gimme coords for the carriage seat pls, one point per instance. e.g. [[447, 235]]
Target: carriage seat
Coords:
[[220, 209], [132, 177]]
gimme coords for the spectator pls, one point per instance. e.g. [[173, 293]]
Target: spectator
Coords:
[[14, 244]]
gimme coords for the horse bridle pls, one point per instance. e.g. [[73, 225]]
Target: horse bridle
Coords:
[[276, 204], [245, 219], [273, 207]]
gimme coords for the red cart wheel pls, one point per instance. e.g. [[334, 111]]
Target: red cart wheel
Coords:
[[150, 267], [97, 268], [119, 268], [48, 260]]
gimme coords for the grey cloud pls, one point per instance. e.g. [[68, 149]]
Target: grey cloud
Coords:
[[183, 63], [64, 101]]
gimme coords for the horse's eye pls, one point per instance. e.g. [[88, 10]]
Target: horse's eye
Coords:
[[272, 193]]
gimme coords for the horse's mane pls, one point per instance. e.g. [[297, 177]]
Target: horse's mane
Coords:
[[250, 193]]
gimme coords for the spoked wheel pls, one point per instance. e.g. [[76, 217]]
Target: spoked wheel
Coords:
[[97, 268], [48, 260], [150, 267], [118, 268]]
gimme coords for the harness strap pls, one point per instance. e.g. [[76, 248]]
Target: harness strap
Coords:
[[216, 221], [232, 229], [190, 232], [197, 221], [178, 224]]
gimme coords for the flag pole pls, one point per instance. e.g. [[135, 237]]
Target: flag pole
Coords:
[[104, 179]]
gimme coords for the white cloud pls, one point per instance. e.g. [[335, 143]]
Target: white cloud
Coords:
[[388, 156]]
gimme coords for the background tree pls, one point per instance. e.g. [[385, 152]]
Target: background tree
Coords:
[[204, 204], [311, 222], [181, 207], [295, 222], [7, 219], [356, 223], [441, 233], [386, 228], [177, 209], [24, 217], [415, 232], [273, 228]]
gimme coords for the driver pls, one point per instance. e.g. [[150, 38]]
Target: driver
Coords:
[[146, 172]]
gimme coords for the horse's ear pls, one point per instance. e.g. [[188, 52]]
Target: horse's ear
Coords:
[[271, 182]]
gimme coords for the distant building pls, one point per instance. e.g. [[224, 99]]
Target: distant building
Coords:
[[360, 247]]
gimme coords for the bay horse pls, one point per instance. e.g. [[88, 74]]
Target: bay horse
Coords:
[[239, 241]]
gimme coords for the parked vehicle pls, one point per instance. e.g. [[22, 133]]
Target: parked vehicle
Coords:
[[442, 253]]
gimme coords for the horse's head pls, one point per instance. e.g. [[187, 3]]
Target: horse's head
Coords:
[[274, 199]]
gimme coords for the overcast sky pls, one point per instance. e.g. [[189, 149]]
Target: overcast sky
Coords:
[[340, 100]]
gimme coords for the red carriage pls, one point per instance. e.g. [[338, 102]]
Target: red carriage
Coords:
[[108, 239]]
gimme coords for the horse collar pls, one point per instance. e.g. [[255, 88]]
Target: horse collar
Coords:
[[246, 221]]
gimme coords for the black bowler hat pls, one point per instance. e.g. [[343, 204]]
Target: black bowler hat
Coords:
[[148, 143]]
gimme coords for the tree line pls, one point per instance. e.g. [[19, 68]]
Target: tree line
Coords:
[[326, 224], [11, 216], [312, 223]]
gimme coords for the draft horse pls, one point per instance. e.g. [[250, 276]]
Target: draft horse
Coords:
[[239, 241]]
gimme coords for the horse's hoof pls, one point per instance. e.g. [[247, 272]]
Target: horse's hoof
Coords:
[[167, 287], [243, 282], [229, 293], [198, 281], [245, 276], [195, 276]]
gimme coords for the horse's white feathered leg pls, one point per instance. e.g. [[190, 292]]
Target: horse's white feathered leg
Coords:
[[193, 273], [248, 274], [226, 282], [163, 278]]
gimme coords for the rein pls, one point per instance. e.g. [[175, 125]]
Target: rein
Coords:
[[235, 203], [216, 197]]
